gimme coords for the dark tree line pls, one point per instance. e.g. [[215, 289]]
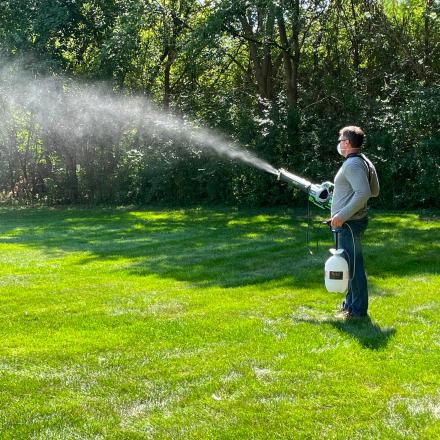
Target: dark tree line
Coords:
[[279, 77]]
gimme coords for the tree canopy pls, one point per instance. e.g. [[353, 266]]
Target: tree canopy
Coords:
[[278, 77]]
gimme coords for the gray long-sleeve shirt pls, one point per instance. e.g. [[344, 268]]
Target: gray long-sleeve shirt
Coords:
[[355, 183]]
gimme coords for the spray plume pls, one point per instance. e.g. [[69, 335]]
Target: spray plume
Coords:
[[75, 113]]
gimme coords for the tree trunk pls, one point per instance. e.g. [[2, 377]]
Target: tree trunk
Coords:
[[167, 79], [71, 177], [355, 41], [290, 60], [260, 75], [427, 33]]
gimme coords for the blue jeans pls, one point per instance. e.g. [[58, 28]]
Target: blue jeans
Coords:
[[356, 300]]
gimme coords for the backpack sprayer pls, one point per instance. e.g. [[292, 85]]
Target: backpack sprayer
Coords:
[[336, 267]]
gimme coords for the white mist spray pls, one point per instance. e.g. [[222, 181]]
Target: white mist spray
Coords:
[[77, 112]]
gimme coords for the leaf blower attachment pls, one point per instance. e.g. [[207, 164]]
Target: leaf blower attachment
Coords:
[[321, 195]]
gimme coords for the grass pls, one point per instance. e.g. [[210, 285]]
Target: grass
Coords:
[[212, 324]]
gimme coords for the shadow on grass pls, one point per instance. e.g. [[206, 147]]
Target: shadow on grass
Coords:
[[224, 247], [221, 247], [398, 243], [370, 335]]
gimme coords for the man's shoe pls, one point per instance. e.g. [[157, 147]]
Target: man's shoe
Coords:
[[343, 314], [348, 315], [354, 317]]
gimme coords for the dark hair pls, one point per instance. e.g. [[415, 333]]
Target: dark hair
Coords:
[[354, 134]]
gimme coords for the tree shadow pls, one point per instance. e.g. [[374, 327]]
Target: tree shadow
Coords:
[[224, 247], [403, 243], [369, 334]]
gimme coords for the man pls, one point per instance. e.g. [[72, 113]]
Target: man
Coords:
[[355, 182]]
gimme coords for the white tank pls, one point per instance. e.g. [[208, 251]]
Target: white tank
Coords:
[[336, 272]]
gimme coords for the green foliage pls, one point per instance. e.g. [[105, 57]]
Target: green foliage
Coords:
[[279, 78], [406, 145]]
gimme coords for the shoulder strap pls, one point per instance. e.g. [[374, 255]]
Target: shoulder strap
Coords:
[[361, 156], [368, 167]]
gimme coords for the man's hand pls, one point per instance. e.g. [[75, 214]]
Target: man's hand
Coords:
[[336, 222]]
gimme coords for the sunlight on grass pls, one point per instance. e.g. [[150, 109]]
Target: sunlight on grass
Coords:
[[208, 323]]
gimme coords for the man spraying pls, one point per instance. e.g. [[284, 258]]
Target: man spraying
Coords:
[[355, 182]]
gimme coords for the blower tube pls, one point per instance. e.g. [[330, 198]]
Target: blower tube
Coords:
[[321, 195]]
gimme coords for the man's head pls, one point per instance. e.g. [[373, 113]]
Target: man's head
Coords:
[[350, 139]]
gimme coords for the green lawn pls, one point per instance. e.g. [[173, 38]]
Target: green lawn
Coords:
[[212, 324]]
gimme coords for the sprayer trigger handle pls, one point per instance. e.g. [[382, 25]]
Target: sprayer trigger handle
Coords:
[[327, 222]]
